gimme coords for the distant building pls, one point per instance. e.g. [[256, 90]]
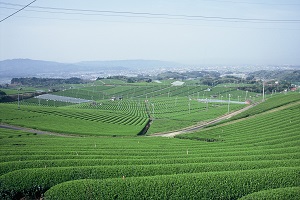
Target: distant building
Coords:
[[116, 98], [177, 83]]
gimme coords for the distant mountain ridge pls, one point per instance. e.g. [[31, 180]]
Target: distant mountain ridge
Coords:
[[130, 64], [28, 67]]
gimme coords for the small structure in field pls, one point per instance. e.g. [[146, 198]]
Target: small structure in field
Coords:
[[177, 83]]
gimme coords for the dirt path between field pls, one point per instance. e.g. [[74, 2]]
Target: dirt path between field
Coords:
[[168, 134], [29, 130], [263, 113], [203, 124], [165, 134]]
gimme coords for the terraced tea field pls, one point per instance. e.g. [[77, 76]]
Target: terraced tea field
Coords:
[[253, 155], [76, 121], [173, 114], [168, 107]]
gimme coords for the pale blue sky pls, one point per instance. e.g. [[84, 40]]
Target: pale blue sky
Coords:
[[72, 36]]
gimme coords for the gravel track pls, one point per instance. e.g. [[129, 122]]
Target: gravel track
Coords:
[[202, 125]]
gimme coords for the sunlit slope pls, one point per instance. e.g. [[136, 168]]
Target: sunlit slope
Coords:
[[270, 103], [119, 104], [77, 121], [169, 114], [271, 117], [251, 155]]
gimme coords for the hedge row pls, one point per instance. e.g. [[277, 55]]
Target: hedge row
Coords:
[[27, 180], [288, 193], [269, 104], [212, 185]]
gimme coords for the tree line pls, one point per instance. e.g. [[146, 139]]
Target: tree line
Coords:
[[33, 81]]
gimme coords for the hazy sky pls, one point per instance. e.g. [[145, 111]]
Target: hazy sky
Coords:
[[185, 31]]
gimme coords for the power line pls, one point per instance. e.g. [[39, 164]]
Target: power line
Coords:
[[171, 15], [18, 11], [132, 16], [164, 15], [255, 3], [162, 23]]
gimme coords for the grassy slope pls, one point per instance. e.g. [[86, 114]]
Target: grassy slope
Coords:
[[243, 159], [74, 121]]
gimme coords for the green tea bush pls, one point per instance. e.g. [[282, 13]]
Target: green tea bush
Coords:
[[289, 193], [271, 103], [218, 185]]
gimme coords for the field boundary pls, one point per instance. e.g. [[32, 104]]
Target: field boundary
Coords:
[[30, 130], [227, 116], [202, 124], [165, 134], [189, 129]]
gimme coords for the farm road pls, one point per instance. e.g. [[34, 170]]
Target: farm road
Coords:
[[165, 134], [29, 130], [202, 125], [169, 134]]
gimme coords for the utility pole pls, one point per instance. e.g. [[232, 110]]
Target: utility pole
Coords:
[[263, 90], [18, 98], [228, 103]]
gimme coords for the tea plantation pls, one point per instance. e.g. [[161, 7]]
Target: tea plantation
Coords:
[[123, 109], [98, 155]]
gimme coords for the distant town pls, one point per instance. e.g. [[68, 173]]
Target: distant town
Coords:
[[91, 70]]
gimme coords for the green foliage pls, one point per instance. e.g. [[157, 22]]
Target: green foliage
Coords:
[[288, 193], [2, 93], [16, 90], [223, 162], [9, 133], [219, 185], [275, 124], [69, 120], [46, 81], [283, 75], [270, 103], [174, 107], [48, 161]]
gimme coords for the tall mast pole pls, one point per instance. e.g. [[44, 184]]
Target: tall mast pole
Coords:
[[263, 90]]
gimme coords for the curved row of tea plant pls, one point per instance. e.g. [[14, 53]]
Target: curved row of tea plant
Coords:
[[244, 157], [71, 120], [92, 158], [177, 113], [270, 103], [212, 185], [130, 107], [127, 91], [274, 125], [290, 193]]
